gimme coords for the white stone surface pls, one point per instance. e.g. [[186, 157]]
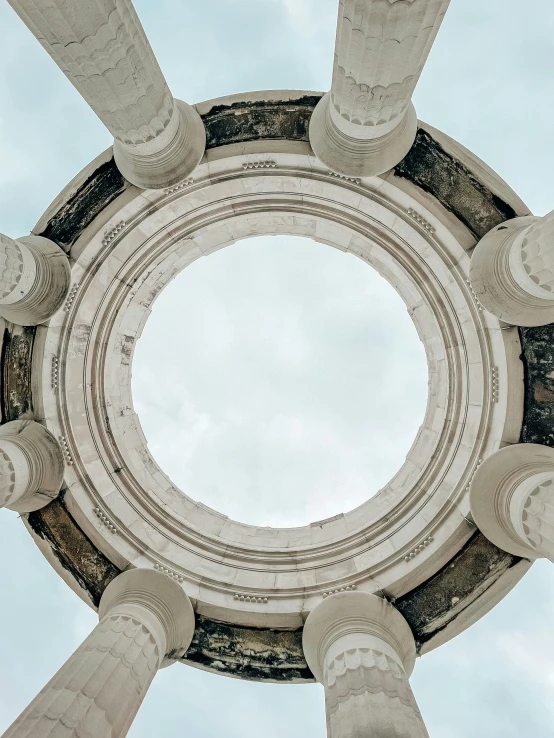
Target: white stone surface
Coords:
[[362, 650], [512, 500], [102, 49], [366, 124], [254, 575], [144, 617], [34, 279], [31, 466], [512, 271]]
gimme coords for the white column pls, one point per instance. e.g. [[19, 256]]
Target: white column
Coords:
[[144, 617], [31, 466], [362, 650], [102, 49], [512, 500], [34, 279], [512, 271], [367, 123]]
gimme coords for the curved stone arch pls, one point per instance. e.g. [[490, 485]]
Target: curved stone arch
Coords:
[[426, 186]]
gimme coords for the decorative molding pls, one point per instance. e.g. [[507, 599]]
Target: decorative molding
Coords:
[[180, 186], [349, 588], [71, 297], [495, 384], [7, 478], [66, 451], [104, 519], [171, 573], [419, 549], [263, 164], [473, 473], [354, 180], [474, 295], [252, 599], [55, 372], [421, 220], [112, 234]]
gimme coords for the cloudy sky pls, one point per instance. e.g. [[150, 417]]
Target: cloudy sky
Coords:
[[257, 380]]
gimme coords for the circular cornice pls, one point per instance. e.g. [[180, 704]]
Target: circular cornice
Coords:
[[417, 225], [243, 574]]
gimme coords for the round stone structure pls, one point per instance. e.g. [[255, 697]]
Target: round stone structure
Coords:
[[415, 542]]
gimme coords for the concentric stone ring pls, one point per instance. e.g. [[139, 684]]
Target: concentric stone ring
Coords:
[[241, 577]]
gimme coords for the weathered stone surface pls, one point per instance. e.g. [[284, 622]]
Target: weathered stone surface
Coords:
[[103, 186], [430, 607], [538, 360], [248, 652], [430, 167], [17, 348], [90, 568], [250, 121]]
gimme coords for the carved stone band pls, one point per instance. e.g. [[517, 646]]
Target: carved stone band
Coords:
[[120, 269], [144, 617]]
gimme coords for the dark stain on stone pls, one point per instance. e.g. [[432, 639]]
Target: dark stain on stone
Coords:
[[249, 653], [438, 601], [103, 186], [251, 121], [430, 167], [17, 350], [73, 549], [537, 346]]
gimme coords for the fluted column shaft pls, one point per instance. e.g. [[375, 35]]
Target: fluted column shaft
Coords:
[[34, 279], [512, 500], [512, 271], [144, 616], [366, 124], [102, 49], [362, 650], [31, 466]]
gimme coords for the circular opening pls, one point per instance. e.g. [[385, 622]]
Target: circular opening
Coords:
[[280, 381]]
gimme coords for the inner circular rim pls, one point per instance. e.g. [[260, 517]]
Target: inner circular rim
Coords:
[[159, 354]]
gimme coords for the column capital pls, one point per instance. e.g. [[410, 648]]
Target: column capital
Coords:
[[103, 50], [512, 271], [31, 466], [34, 279], [502, 497], [144, 615], [357, 619], [161, 597], [355, 151], [367, 123]]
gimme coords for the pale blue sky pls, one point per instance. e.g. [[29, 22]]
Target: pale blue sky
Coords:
[[489, 83]]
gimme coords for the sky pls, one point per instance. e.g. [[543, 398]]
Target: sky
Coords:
[[489, 84]]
